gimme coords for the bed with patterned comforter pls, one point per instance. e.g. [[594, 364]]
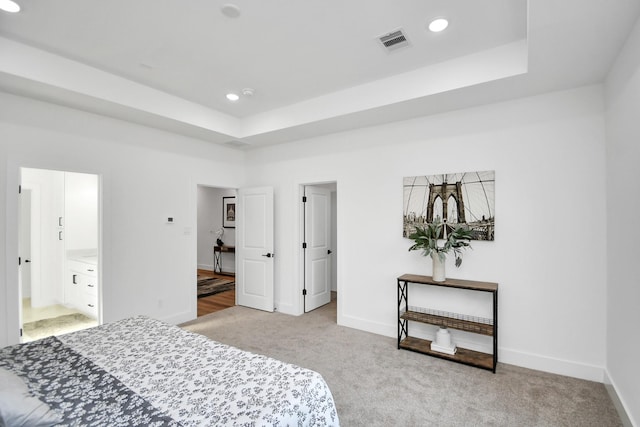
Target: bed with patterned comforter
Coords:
[[141, 371]]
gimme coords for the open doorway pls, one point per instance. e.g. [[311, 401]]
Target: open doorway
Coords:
[[216, 239], [58, 250], [319, 245]]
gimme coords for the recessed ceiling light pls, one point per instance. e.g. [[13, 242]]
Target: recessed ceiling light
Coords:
[[230, 10], [9, 6], [438, 25], [232, 97]]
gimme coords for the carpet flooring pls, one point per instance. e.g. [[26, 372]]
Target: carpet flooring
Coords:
[[213, 285], [375, 384]]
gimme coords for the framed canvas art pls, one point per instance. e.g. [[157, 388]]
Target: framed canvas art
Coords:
[[455, 198]]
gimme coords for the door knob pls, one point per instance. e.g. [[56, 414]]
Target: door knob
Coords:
[[268, 255], [329, 252], [27, 260]]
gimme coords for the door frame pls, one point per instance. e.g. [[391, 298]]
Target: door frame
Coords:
[[299, 238], [192, 274], [318, 258], [13, 302]]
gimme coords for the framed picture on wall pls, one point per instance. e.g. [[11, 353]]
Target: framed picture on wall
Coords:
[[455, 199], [229, 212]]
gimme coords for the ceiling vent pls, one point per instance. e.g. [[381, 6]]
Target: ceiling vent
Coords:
[[394, 40]]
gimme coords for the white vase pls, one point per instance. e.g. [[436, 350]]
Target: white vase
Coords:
[[438, 268], [443, 337]]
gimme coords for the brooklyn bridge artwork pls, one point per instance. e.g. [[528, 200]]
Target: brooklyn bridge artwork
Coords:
[[466, 198]]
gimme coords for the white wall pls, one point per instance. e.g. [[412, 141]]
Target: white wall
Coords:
[[623, 205], [549, 156], [149, 267], [549, 253], [209, 222]]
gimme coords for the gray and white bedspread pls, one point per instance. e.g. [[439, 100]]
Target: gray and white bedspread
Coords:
[[141, 371]]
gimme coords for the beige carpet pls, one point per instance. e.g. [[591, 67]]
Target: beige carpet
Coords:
[[374, 384]]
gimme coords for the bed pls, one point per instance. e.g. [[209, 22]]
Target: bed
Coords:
[[141, 371]]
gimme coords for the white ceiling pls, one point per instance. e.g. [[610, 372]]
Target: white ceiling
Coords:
[[316, 67]]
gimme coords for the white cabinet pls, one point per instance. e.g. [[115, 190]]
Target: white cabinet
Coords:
[[82, 286]]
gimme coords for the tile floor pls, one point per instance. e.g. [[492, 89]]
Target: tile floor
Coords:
[[32, 314]]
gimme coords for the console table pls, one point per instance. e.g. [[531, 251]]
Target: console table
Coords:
[[450, 320], [217, 258]]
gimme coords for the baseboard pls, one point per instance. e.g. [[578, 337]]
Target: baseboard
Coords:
[[208, 267], [368, 326], [552, 365], [287, 309], [178, 318], [617, 402], [505, 355]]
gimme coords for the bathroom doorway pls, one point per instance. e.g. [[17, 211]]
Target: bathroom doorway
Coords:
[[58, 250]]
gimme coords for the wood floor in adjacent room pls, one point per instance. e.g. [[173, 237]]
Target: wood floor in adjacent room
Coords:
[[215, 302]]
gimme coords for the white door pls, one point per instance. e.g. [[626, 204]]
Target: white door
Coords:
[[317, 254], [254, 248], [25, 243], [24, 251]]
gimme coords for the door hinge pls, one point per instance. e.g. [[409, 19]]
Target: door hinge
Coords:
[[20, 331], [304, 199], [304, 245], [304, 292], [19, 189], [19, 261]]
